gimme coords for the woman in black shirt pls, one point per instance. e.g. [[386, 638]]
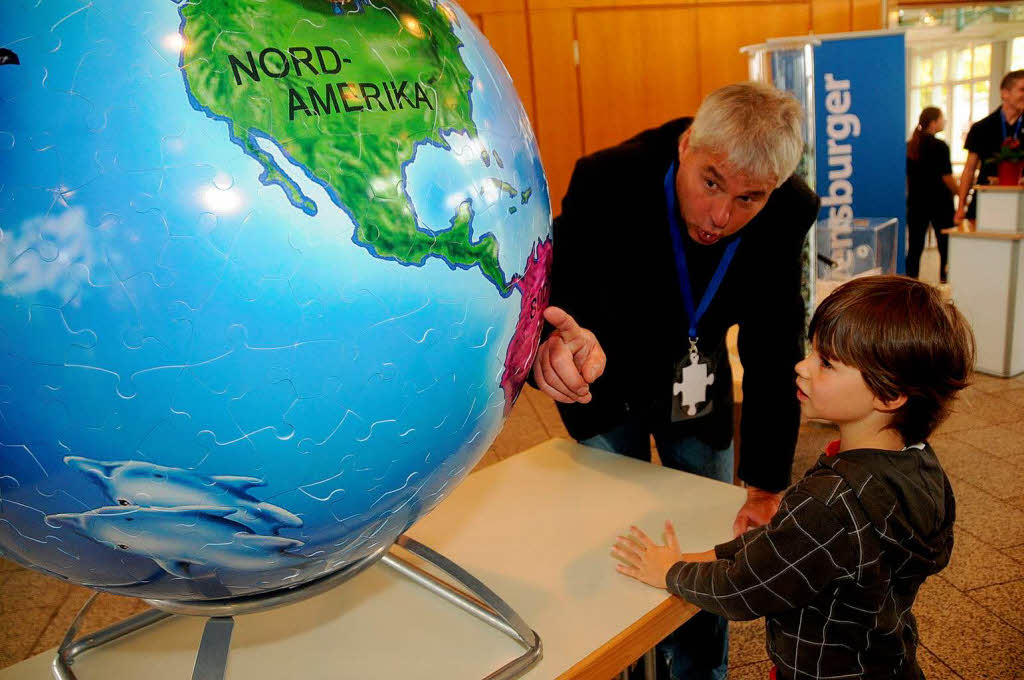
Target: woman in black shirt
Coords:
[[930, 190]]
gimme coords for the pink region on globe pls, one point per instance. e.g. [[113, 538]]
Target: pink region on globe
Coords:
[[535, 290]]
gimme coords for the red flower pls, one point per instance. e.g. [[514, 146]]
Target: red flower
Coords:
[[1011, 142]]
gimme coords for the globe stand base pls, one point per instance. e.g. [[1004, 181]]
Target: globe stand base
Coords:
[[211, 659]]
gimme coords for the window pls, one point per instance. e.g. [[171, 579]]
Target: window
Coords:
[[956, 56], [957, 80], [1017, 53]]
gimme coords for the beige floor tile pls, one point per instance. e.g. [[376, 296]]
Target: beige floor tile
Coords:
[[995, 522], [522, 430], [1017, 502], [998, 440], [933, 667], [1017, 426], [991, 384], [107, 610], [1004, 601], [975, 564], [1014, 395], [960, 420], [25, 589], [545, 409], [746, 642], [489, 458], [18, 632], [751, 671], [965, 636], [961, 460], [988, 407], [1016, 552]]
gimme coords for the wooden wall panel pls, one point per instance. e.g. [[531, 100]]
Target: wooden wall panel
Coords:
[[830, 16], [628, 83], [478, 7], [641, 61], [723, 30], [557, 105], [609, 4], [933, 3], [866, 15], [507, 32]]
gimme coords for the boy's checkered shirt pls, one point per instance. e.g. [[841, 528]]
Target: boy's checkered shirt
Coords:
[[836, 571]]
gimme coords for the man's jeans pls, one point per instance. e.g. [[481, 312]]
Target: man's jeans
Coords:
[[699, 649]]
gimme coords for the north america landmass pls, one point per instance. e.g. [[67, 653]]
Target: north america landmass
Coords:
[[350, 112], [350, 106]]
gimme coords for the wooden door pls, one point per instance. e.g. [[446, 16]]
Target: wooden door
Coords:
[[637, 68], [724, 30]]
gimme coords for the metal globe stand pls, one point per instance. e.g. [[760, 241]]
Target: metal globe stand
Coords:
[[211, 660]]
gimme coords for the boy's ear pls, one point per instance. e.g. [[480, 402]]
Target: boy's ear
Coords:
[[891, 405]]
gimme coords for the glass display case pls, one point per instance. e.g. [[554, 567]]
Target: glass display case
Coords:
[[848, 248]]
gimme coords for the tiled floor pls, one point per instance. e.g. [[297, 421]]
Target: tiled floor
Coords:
[[971, 615]]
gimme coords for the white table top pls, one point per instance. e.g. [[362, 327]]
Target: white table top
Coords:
[[536, 528]]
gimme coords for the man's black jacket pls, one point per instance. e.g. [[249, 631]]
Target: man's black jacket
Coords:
[[614, 271]]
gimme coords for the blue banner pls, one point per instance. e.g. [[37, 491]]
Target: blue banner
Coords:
[[860, 118]]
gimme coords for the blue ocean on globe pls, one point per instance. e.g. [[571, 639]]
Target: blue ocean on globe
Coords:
[[270, 275]]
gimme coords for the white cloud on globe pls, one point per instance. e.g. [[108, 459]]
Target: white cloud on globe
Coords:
[[222, 201]]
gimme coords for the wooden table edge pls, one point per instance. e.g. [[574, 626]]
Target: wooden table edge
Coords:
[[615, 655], [998, 187], [991, 235]]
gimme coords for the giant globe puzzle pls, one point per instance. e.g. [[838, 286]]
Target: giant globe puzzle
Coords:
[[270, 282]]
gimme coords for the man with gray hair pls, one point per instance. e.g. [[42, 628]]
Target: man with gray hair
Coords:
[[664, 242]]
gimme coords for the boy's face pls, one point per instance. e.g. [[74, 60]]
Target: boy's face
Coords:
[[831, 390]]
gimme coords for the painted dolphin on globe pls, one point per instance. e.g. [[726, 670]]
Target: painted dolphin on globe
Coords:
[[187, 541], [147, 485]]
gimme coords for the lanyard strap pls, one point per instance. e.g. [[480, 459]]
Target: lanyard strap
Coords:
[[1002, 120], [685, 289]]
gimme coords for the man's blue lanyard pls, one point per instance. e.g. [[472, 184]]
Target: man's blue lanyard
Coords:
[[1016, 130], [681, 270]]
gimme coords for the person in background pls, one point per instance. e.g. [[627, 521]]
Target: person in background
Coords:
[[930, 190], [664, 242], [837, 570], [986, 137]]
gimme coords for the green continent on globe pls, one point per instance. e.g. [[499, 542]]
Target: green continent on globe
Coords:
[[502, 186], [348, 94]]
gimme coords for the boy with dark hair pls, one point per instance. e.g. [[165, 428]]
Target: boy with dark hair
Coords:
[[836, 571]]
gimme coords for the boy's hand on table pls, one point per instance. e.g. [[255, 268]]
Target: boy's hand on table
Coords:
[[646, 561]]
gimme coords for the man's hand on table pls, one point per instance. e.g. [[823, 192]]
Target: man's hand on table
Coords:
[[646, 561], [757, 510], [568, 361]]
